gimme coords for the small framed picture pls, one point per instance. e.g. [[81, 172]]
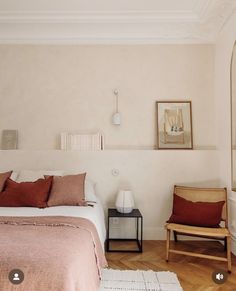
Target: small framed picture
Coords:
[[174, 125], [9, 139]]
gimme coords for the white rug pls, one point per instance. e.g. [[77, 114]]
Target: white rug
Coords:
[[116, 280]]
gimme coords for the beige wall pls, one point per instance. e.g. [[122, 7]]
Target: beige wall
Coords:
[[48, 89], [151, 176]]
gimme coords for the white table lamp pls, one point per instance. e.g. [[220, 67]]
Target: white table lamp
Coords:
[[124, 201]]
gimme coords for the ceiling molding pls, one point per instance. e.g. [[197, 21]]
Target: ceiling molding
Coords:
[[201, 7], [216, 15], [132, 16], [200, 25]]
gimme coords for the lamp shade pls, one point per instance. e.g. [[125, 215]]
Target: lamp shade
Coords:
[[124, 201], [116, 118]]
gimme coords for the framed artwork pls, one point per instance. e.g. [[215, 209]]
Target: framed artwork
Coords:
[[174, 125], [9, 139]]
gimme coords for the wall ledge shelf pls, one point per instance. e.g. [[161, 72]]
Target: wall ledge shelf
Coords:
[[118, 149]]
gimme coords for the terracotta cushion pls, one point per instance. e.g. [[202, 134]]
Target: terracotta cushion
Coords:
[[67, 190], [34, 194], [3, 179], [206, 214]]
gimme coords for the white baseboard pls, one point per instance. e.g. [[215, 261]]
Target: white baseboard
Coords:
[[154, 233], [159, 233]]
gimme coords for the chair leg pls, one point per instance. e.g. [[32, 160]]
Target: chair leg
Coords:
[[229, 253], [167, 244], [175, 236]]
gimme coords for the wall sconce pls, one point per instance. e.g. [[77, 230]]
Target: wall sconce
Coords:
[[116, 118]]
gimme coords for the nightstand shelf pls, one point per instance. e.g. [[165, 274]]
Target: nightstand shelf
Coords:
[[136, 214]]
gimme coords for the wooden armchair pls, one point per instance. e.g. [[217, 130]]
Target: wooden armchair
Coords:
[[221, 233]]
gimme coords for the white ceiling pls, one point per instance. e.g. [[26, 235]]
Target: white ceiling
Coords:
[[113, 21]]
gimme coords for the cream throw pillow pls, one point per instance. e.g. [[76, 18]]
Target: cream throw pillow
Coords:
[[34, 175]]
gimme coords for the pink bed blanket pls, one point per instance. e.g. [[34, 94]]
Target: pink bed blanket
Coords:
[[55, 253]]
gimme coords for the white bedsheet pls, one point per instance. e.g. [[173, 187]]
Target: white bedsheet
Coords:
[[94, 214]]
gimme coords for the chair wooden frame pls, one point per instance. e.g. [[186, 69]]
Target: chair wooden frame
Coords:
[[205, 195]]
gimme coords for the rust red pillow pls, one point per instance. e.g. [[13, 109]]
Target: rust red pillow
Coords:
[[206, 214], [32, 194]]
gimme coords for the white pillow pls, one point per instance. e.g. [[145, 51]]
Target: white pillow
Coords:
[[89, 191], [31, 176], [14, 176]]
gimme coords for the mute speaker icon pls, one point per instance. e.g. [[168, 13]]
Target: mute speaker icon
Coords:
[[219, 276]]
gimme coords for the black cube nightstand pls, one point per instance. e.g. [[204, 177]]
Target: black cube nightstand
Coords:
[[136, 214]]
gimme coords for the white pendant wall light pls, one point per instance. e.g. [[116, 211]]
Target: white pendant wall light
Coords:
[[116, 118]]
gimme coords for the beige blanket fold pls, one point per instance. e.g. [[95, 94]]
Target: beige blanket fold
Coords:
[[54, 252]]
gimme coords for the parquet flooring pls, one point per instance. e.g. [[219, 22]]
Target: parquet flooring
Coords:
[[194, 273]]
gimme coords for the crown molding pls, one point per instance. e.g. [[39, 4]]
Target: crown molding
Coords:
[[102, 33], [201, 25], [216, 14], [108, 40], [201, 7], [131, 16]]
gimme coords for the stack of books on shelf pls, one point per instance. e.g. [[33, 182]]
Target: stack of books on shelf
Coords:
[[81, 142]]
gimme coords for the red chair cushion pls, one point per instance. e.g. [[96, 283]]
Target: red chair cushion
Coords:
[[205, 214]]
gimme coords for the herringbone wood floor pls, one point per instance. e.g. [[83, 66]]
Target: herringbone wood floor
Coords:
[[194, 273]]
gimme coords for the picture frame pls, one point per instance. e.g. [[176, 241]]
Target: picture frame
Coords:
[[9, 139], [174, 125]]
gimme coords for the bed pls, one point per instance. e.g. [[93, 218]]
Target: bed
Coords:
[[58, 248]]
